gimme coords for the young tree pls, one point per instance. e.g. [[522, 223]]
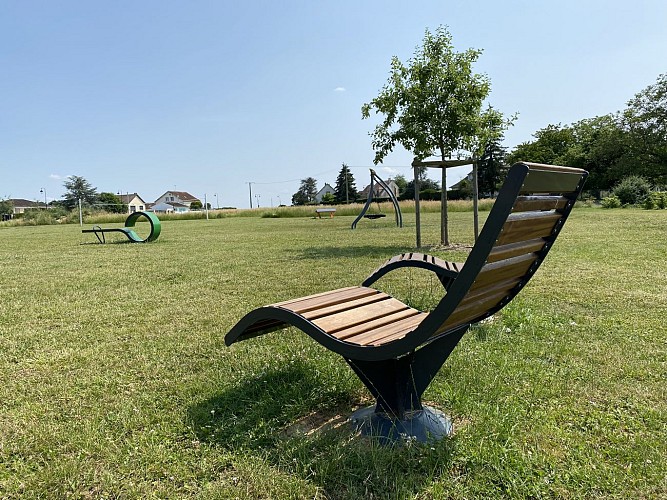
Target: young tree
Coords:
[[345, 190], [306, 193], [112, 203], [78, 188], [432, 105]]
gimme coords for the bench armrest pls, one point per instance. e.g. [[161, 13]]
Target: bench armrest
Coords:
[[446, 271]]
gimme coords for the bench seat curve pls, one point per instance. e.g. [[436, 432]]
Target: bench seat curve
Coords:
[[391, 345]]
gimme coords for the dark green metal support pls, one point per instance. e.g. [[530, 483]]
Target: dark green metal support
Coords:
[[131, 220]]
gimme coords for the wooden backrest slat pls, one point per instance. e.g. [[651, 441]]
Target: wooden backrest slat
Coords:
[[504, 269], [521, 247], [532, 203], [472, 310], [550, 181], [539, 225]]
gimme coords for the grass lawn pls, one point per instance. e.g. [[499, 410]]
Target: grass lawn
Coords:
[[115, 381]]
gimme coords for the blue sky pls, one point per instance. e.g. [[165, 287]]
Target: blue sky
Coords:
[[206, 96]]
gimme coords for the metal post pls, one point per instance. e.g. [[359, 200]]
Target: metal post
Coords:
[[250, 188], [475, 196], [417, 216], [206, 206], [347, 195], [80, 214], [444, 221]]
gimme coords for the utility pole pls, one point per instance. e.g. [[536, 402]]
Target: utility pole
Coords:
[[250, 188], [347, 195]]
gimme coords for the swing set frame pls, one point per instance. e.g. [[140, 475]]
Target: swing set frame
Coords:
[[375, 178]]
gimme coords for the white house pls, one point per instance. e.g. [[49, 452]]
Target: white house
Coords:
[[179, 197], [172, 207], [326, 189], [133, 201]]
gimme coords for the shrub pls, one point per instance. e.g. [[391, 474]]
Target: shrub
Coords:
[[656, 199], [611, 202], [632, 190]]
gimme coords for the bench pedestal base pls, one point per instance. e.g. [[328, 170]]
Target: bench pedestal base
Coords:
[[425, 425]]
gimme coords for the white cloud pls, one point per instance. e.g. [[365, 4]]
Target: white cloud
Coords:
[[339, 89], [390, 171], [55, 176]]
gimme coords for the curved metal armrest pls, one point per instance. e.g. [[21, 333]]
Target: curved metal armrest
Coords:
[[446, 271]]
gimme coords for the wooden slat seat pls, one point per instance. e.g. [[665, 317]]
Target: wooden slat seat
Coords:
[[395, 349]]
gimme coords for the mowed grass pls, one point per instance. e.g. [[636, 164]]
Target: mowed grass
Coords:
[[116, 383]]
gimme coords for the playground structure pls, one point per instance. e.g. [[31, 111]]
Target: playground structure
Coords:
[[371, 196], [128, 230]]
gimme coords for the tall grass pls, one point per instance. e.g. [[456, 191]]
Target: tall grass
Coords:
[[354, 209]]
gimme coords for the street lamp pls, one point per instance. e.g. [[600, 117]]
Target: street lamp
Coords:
[[46, 206], [257, 199], [217, 205]]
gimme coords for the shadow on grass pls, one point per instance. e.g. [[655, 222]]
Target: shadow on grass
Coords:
[[380, 252], [298, 423]]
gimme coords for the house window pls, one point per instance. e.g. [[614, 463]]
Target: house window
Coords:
[[133, 208], [141, 208]]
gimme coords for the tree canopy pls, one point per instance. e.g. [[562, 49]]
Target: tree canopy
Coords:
[[78, 188], [611, 147], [6, 207], [112, 203], [345, 190], [432, 106], [306, 193]]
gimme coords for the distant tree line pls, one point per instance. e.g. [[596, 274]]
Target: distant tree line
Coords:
[[631, 142]]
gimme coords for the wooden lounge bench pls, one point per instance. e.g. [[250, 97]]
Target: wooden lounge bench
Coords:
[[320, 211], [128, 230], [396, 350]]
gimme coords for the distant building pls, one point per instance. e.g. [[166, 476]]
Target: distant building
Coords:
[[379, 192], [178, 197], [173, 207], [134, 202], [325, 190], [21, 205]]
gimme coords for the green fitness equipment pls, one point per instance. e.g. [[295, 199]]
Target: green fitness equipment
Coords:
[[128, 231]]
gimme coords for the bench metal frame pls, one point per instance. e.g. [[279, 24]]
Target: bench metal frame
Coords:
[[396, 350], [156, 228]]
